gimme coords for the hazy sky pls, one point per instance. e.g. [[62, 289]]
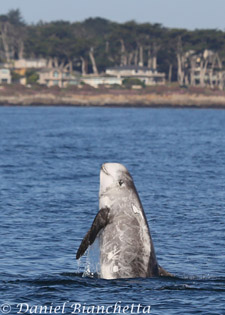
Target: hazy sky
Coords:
[[189, 14]]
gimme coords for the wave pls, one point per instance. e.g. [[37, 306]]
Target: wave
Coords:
[[84, 279]]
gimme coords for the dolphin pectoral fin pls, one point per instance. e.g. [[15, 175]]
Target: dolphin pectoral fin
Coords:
[[164, 273], [100, 221], [84, 245]]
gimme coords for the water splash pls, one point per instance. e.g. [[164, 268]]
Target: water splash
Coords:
[[78, 265], [92, 263]]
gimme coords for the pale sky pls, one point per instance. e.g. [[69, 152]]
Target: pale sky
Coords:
[[190, 14]]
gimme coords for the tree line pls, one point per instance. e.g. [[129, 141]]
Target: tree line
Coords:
[[97, 43]]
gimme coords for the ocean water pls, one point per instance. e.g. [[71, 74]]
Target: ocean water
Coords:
[[50, 158]]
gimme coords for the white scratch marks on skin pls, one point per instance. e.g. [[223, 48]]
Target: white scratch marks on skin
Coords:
[[113, 254], [115, 269], [136, 210]]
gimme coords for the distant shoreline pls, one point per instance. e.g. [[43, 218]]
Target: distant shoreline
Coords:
[[120, 106], [155, 97]]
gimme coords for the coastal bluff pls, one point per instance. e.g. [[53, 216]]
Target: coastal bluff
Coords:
[[154, 97]]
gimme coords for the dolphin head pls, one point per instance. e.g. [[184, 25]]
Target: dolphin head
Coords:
[[114, 176]]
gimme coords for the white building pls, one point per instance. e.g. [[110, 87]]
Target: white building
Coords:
[[5, 76], [147, 75], [95, 81], [30, 63]]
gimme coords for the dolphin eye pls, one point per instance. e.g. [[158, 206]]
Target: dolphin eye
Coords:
[[120, 182]]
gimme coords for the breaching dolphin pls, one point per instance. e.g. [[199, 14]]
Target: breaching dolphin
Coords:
[[126, 246]]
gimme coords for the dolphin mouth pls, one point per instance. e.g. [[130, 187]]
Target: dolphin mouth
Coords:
[[103, 168]]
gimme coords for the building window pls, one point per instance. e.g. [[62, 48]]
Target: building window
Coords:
[[66, 74], [55, 74]]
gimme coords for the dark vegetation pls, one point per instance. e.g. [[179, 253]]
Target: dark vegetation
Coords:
[[105, 43]]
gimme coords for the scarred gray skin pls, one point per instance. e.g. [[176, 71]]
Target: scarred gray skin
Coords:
[[126, 247]]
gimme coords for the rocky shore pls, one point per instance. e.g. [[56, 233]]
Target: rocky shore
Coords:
[[155, 97]]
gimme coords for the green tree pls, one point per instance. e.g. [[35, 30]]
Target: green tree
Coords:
[[32, 76]]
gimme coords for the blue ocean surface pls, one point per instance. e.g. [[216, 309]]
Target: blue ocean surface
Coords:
[[50, 159]]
